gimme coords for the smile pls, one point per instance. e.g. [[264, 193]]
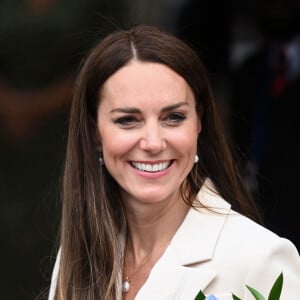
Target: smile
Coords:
[[152, 168]]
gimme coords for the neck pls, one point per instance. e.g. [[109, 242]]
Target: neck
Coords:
[[152, 225], [150, 228]]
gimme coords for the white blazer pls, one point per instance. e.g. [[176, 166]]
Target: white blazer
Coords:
[[219, 252]]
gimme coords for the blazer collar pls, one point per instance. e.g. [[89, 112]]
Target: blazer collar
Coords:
[[169, 280], [175, 276]]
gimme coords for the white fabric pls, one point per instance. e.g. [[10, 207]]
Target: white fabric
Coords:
[[220, 252]]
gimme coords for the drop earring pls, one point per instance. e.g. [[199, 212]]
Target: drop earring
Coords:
[[101, 161], [196, 158]]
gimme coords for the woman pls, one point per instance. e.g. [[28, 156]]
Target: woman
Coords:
[[146, 175]]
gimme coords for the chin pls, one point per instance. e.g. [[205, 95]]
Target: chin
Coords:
[[155, 197]]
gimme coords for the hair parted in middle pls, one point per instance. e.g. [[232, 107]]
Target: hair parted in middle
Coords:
[[93, 217]]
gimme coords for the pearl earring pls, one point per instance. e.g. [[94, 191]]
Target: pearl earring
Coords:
[[196, 158], [101, 161]]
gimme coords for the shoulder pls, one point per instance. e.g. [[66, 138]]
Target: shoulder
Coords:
[[246, 252], [262, 254], [248, 230], [253, 239], [235, 238], [249, 254], [238, 230]]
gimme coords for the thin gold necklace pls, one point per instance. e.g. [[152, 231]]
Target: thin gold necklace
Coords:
[[128, 278]]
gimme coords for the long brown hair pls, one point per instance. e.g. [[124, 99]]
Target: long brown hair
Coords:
[[92, 217]]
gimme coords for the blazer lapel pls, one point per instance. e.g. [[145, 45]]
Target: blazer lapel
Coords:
[[181, 273], [169, 280]]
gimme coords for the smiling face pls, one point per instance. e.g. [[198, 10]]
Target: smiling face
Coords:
[[148, 128]]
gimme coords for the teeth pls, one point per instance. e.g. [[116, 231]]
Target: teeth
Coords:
[[151, 167]]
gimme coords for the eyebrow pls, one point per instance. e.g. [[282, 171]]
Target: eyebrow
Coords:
[[128, 110], [174, 106], [133, 110]]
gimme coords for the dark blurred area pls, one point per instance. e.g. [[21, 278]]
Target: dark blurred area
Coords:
[[265, 112], [41, 45]]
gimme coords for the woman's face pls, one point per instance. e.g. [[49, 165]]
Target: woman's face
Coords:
[[148, 128]]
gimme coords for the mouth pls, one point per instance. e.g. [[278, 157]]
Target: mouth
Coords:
[[153, 167]]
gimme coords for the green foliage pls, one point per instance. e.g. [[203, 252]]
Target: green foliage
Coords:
[[257, 295], [200, 296], [234, 297], [273, 295], [276, 289]]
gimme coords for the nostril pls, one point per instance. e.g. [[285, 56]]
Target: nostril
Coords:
[[153, 144]]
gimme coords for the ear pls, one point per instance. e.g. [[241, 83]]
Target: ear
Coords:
[[199, 125]]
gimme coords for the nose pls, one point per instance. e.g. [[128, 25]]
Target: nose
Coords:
[[153, 140]]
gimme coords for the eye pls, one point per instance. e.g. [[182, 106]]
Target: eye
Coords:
[[126, 121], [175, 118]]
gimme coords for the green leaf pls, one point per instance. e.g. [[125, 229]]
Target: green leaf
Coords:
[[257, 295], [234, 297], [200, 296], [276, 288]]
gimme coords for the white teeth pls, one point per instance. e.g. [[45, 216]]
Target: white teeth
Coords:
[[151, 167]]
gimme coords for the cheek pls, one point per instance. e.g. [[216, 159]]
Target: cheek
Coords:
[[186, 141], [185, 150], [116, 144]]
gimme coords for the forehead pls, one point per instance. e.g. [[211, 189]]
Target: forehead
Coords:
[[145, 81]]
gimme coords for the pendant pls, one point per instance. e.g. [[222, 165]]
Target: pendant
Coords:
[[125, 286]]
